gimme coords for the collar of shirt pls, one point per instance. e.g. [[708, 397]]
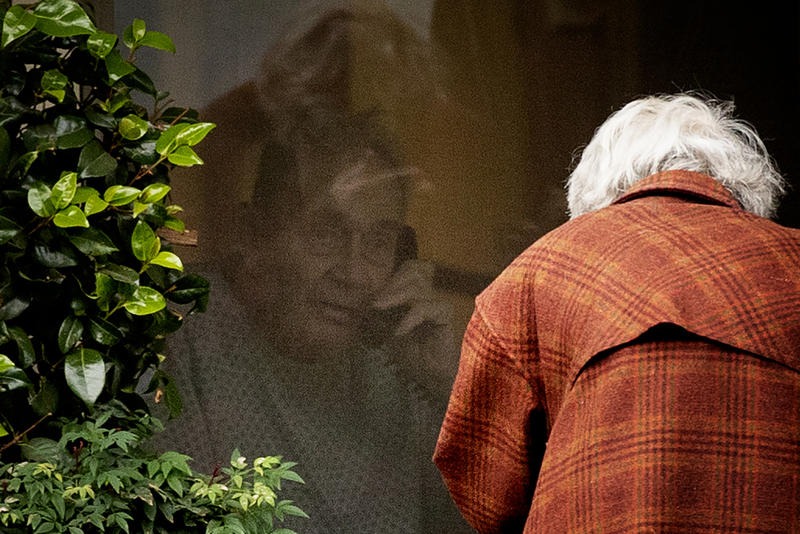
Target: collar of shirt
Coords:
[[687, 184]]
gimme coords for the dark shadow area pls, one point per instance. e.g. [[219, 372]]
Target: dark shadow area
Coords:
[[742, 51]]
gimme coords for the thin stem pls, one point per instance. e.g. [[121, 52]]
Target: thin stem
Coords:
[[18, 437]]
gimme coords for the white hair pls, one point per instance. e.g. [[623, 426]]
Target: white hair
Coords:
[[675, 132]]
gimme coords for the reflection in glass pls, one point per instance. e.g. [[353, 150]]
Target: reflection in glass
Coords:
[[325, 341]]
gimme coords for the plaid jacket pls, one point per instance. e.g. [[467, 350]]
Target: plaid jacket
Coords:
[[635, 370]]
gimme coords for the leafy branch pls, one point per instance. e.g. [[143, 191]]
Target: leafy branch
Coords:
[[91, 286], [98, 477]]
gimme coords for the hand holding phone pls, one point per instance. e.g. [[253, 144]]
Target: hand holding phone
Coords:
[[421, 338]]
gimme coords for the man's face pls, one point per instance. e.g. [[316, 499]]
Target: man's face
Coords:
[[341, 252]]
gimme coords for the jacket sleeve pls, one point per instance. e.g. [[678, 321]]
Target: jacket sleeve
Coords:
[[486, 451]]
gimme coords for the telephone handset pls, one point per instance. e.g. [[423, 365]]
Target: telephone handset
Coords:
[[380, 324]]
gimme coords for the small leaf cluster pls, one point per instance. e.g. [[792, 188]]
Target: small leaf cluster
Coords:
[[90, 283], [99, 478]]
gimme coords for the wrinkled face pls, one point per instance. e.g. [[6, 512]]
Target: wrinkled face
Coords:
[[340, 252]]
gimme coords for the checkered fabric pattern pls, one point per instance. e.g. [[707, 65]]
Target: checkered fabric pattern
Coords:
[[635, 370]]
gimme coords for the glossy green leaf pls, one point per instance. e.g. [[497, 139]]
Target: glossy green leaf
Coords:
[[104, 290], [54, 83], [69, 333], [117, 67], [125, 291], [104, 332], [154, 193], [54, 79], [62, 18], [54, 257], [144, 153], [174, 223], [157, 40], [167, 141], [101, 43], [94, 161], [11, 110], [133, 127], [11, 376], [127, 36], [100, 117], [8, 229], [139, 80], [94, 204], [26, 160], [39, 200], [85, 372], [174, 209], [118, 101], [119, 195], [26, 354], [182, 134], [6, 363], [188, 289], [139, 208], [71, 132], [71, 217], [138, 28], [144, 242], [17, 22], [168, 260], [145, 301], [93, 242], [195, 133], [13, 307], [64, 190], [83, 193], [40, 138], [120, 273], [184, 156]]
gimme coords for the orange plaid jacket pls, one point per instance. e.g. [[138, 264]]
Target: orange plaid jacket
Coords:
[[635, 370]]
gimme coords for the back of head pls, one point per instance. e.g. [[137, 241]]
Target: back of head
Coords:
[[674, 132]]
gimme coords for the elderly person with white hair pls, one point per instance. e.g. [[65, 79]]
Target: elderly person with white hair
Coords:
[[638, 368]]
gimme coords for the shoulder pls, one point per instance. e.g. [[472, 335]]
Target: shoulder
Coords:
[[556, 251]]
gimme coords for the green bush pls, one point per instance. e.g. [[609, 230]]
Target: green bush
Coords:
[[98, 478], [90, 288]]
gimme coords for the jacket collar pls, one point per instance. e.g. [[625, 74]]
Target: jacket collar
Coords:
[[688, 184]]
